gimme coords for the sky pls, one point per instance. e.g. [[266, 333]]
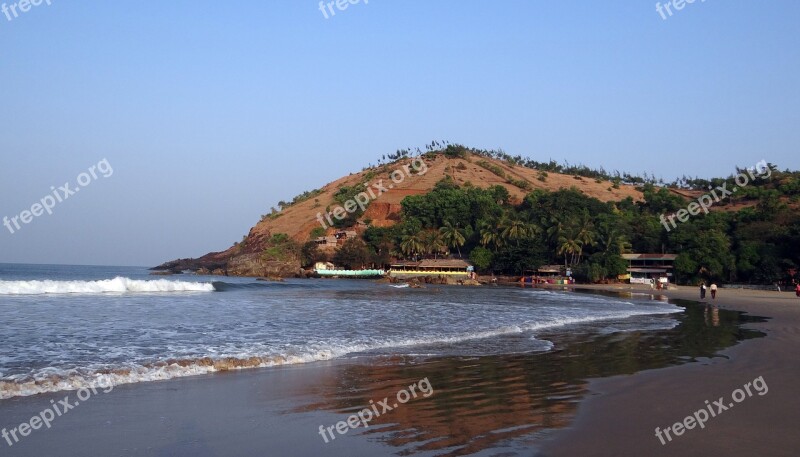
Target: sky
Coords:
[[209, 113]]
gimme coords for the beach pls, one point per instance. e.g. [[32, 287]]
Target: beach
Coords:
[[593, 374], [621, 415]]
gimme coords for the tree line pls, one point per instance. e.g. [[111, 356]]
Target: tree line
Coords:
[[759, 243]]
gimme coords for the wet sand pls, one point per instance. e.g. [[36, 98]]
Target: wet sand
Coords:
[[621, 415], [505, 404]]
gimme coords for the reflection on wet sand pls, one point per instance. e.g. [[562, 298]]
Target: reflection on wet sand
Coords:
[[505, 401]]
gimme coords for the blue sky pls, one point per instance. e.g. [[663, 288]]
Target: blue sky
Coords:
[[212, 112]]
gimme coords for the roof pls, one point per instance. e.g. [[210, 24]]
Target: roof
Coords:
[[647, 270], [550, 268], [404, 264], [649, 256], [444, 263]]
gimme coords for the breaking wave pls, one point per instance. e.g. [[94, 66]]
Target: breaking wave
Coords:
[[116, 285]]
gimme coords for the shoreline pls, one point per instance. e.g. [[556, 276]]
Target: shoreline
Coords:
[[250, 411], [621, 414]]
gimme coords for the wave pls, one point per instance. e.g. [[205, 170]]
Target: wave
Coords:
[[116, 285], [54, 380]]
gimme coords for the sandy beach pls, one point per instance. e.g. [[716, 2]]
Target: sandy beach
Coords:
[[621, 415]]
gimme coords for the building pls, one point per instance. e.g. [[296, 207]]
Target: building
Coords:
[[551, 271], [344, 235], [330, 243], [431, 267], [642, 268], [324, 241], [548, 274], [324, 266]]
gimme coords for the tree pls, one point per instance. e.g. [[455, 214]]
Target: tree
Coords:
[[490, 235], [432, 242], [353, 254], [515, 229], [452, 236], [611, 241], [568, 245], [481, 258], [585, 234], [317, 232], [310, 254], [411, 245]]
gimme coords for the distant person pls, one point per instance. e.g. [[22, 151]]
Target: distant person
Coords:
[[702, 291], [797, 290], [713, 291]]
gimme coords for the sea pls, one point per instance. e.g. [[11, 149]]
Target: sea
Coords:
[[67, 327]]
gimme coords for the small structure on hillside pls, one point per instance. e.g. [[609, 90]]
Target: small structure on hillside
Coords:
[[330, 243], [324, 241], [344, 235]]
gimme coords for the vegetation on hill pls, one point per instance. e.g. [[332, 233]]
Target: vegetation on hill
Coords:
[[759, 243]]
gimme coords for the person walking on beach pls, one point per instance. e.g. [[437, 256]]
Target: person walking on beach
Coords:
[[713, 291], [702, 290]]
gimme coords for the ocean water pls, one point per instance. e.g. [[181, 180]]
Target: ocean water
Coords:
[[67, 327]]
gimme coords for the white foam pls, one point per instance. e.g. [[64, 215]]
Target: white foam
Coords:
[[116, 285], [54, 379]]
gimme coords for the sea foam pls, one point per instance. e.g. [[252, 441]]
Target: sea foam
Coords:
[[116, 285]]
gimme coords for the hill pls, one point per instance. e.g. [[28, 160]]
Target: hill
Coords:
[[299, 219], [510, 214]]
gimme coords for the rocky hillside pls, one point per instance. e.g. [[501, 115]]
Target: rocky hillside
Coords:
[[299, 219]]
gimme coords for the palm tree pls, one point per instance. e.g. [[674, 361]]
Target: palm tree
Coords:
[[557, 225], [432, 242], [411, 244], [452, 236], [612, 242], [585, 235], [516, 229], [490, 235], [567, 244]]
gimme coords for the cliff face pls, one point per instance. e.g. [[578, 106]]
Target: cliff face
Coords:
[[299, 219]]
